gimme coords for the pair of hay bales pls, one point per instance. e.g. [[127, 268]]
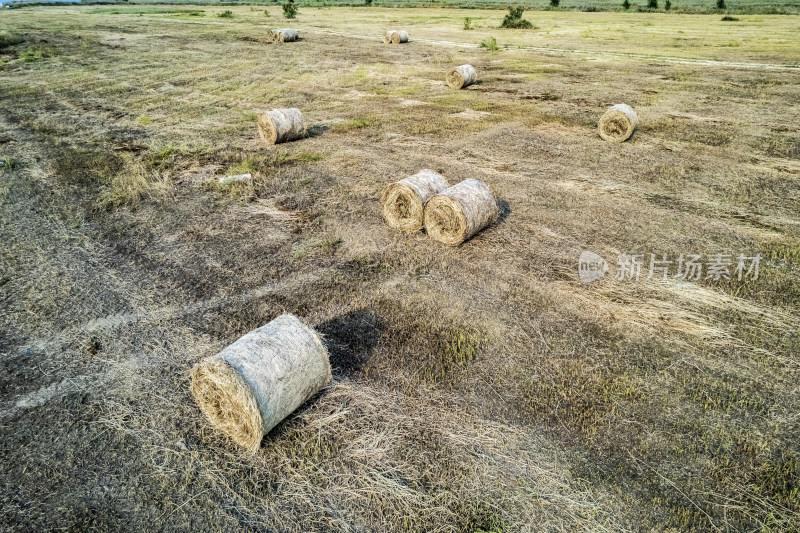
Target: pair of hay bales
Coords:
[[284, 35], [450, 215], [253, 384], [395, 37]]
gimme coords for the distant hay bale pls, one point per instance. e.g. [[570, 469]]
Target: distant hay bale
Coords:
[[285, 35], [253, 384], [618, 123], [459, 212], [281, 125], [403, 202], [462, 76], [395, 37]]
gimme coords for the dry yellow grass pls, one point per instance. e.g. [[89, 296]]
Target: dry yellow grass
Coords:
[[475, 388]]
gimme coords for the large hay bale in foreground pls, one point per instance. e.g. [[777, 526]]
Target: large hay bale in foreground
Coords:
[[281, 125], [253, 384], [459, 212], [285, 35], [618, 123], [461, 76], [403, 202], [395, 37]]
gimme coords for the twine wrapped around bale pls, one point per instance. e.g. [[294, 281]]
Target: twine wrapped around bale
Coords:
[[618, 123], [253, 384], [403, 202], [281, 125], [459, 212], [461, 76], [395, 37], [285, 35]]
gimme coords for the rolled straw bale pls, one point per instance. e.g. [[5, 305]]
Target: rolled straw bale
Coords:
[[460, 77], [459, 212], [618, 123], [253, 384], [403, 202], [285, 35], [395, 37], [281, 125]]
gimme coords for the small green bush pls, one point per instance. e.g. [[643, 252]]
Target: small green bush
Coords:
[[728, 18], [652, 4], [468, 23], [555, 3], [490, 44], [289, 9], [227, 14], [368, 3], [667, 5], [720, 4], [514, 19], [626, 5]]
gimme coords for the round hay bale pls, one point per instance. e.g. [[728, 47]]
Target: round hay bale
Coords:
[[403, 202], [395, 37], [253, 384], [618, 123], [285, 35], [281, 125], [461, 76], [459, 212]]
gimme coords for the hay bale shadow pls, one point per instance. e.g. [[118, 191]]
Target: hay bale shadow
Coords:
[[316, 130], [504, 208], [350, 339]]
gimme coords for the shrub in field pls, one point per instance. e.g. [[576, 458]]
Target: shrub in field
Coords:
[[367, 3], [468, 23], [555, 3], [490, 44], [667, 5], [720, 4], [514, 19], [626, 5], [652, 4], [289, 9], [728, 18], [227, 14]]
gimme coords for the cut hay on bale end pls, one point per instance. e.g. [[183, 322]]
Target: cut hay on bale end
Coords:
[[461, 76], [395, 37], [281, 125], [618, 123], [459, 212], [285, 35], [403, 202], [253, 384]]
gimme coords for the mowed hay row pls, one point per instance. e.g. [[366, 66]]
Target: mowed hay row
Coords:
[[285, 35], [403, 202], [617, 124], [253, 384], [281, 125], [395, 36], [461, 76], [459, 212]]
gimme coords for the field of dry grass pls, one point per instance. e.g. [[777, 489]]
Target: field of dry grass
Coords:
[[478, 388]]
